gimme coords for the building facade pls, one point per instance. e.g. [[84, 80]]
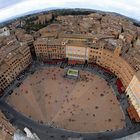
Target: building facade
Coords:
[[14, 59], [133, 92], [50, 48], [77, 52], [117, 65]]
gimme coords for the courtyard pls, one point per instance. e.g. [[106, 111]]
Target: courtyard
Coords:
[[87, 104]]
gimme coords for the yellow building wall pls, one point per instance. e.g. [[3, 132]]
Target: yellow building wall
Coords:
[[116, 64], [77, 53], [15, 63], [133, 91], [112, 61]]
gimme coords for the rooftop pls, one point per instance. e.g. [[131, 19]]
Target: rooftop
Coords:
[[77, 43]]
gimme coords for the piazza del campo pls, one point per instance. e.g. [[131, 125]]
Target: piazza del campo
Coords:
[[70, 74]]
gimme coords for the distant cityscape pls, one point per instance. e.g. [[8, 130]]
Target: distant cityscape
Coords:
[[15, 8]]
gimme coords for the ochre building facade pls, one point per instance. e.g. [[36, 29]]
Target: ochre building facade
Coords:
[[15, 58]]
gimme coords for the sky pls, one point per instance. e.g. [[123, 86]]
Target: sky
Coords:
[[12, 8]]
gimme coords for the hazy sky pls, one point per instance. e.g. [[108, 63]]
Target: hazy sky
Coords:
[[11, 8]]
